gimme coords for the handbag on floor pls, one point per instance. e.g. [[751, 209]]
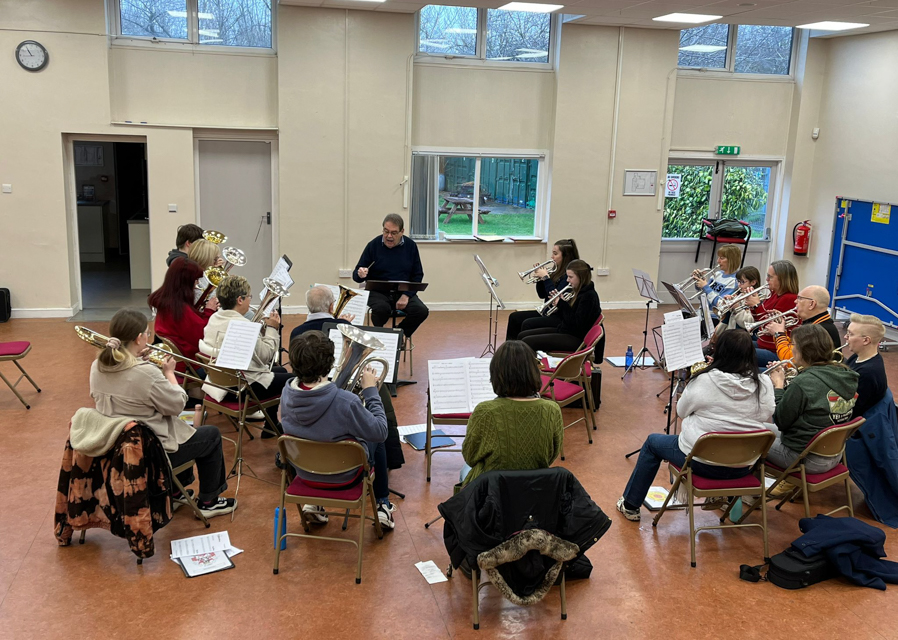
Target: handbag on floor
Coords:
[[791, 569]]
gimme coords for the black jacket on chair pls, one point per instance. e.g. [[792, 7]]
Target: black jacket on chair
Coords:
[[498, 504]]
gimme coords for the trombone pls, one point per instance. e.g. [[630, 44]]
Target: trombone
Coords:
[[274, 291], [738, 303], [529, 278], [549, 307], [788, 318]]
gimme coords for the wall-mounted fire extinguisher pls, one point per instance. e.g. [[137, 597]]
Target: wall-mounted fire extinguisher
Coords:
[[801, 238]]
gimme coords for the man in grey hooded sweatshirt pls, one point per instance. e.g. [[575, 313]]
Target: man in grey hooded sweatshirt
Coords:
[[315, 409]]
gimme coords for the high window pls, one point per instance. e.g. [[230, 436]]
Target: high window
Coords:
[[753, 49], [485, 34], [458, 196], [229, 23]]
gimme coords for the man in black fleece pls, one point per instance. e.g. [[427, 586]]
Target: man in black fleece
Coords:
[[392, 256]]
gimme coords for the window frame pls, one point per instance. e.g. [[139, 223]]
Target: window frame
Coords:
[[729, 70], [541, 214], [192, 44], [719, 165], [479, 59]]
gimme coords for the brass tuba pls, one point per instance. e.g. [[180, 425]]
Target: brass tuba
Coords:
[[346, 294], [275, 290], [357, 346]]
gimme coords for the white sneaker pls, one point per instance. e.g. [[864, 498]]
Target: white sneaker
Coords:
[[220, 507], [629, 514], [385, 515], [255, 415], [314, 514]]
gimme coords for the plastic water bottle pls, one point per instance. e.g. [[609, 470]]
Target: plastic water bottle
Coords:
[[629, 358], [282, 517]]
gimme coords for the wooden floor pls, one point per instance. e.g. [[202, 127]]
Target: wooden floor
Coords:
[[642, 585]]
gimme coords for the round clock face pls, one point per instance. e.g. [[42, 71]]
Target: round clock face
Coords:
[[32, 55]]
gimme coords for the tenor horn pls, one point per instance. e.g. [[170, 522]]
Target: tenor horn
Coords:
[[357, 346], [275, 290], [215, 237], [214, 275], [346, 294], [529, 278]]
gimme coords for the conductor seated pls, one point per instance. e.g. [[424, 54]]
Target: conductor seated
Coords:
[[391, 256], [320, 301]]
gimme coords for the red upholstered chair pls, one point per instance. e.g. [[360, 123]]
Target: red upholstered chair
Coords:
[[13, 352], [705, 234], [555, 387], [327, 458], [593, 336], [729, 450], [444, 419], [829, 442]]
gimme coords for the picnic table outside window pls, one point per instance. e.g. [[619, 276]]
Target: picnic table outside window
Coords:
[[455, 205]]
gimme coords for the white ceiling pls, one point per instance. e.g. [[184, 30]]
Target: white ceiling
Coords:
[[882, 15]]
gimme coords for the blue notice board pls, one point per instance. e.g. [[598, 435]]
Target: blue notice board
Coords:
[[863, 263]]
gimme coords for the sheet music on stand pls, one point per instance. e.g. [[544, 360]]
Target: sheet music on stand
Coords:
[[280, 273], [357, 305], [680, 298], [239, 344], [645, 285], [706, 318], [459, 385], [682, 343], [390, 341]]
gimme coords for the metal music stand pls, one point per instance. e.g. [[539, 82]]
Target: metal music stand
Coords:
[[681, 299], [491, 284], [388, 288], [646, 290]]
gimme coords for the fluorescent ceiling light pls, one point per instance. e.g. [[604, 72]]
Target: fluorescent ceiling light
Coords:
[[183, 14], [833, 26], [531, 7], [690, 18], [704, 48], [460, 30]]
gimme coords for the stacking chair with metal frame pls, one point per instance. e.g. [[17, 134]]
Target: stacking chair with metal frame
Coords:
[[447, 419], [729, 450], [186, 381], [191, 502], [327, 458], [596, 333], [13, 352], [564, 393], [829, 442]]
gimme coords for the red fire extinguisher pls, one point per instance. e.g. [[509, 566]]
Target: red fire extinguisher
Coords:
[[801, 238]]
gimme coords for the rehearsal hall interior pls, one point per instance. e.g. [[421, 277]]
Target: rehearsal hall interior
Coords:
[[476, 319]]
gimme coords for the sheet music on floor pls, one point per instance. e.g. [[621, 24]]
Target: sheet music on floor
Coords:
[[390, 341], [357, 305], [682, 343], [459, 385], [208, 543], [239, 343]]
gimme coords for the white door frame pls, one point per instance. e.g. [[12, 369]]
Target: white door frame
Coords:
[[71, 204], [249, 136]]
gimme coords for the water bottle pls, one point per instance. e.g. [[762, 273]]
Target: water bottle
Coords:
[[280, 518], [629, 358]]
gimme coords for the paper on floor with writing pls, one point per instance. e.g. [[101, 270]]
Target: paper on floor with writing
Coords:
[[203, 563], [682, 343], [459, 385], [430, 571], [219, 541], [412, 428], [236, 351], [390, 341], [357, 305]]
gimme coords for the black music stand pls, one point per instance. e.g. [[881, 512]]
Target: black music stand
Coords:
[[491, 284], [646, 290], [388, 288]]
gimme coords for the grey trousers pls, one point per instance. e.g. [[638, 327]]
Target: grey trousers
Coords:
[[782, 456]]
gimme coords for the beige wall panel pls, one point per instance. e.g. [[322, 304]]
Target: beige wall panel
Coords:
[[85, 16]]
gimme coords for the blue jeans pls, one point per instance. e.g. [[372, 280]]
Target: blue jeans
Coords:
[[765, 357], [658, 448]]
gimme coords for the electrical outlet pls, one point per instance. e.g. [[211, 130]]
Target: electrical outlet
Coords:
[[173, 208], [7, 188], [602, 272], [345, 273]]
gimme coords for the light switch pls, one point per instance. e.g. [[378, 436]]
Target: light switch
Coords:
[[345, 273], [7, 188], [173, 208]]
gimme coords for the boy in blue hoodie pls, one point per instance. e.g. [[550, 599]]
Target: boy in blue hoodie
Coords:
[[315, 409]]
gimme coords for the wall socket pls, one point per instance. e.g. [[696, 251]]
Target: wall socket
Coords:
[[602, 272], [345, 273]]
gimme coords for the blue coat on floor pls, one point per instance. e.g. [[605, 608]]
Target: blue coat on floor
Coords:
[[872, 457], [854, 547]]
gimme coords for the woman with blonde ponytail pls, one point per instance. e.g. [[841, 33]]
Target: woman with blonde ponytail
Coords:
[[124, 385]]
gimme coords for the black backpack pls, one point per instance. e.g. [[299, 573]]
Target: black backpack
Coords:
[[727, 229]]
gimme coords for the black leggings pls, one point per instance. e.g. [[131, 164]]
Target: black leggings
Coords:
[[274, 389], [549, 339]]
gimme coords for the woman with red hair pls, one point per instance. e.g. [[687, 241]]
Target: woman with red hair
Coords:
[[176, 317]]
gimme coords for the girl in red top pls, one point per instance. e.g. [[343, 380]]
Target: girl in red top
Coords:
[[176, 318], [783, 282]]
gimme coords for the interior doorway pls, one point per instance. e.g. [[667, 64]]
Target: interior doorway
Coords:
[[113, 227]]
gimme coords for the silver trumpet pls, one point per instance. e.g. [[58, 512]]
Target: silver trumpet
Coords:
[[234, 257], [549, 307], [790, 372], [275, 290], [529, 278], [788, 318], [357, 346], [704, 274], [738, 303]]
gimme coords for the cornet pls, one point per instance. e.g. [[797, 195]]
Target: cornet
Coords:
[[529, 278], [234, 258], [738, 303], [549, 307], [275, 290], [704, 274], [790, 372], [788, 318]]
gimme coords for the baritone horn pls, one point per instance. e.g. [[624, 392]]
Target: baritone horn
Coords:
[[357, 346], [549, 307], [274, 291], [529, 278], [346, 294]]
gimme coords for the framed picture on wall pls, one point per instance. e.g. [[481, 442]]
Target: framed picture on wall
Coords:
[[88, 155], [639, 182]]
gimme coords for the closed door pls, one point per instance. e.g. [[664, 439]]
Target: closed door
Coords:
[[235, 198]]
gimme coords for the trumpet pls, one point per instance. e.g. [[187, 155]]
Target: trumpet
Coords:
[[214, 275], [529, 278], [234, 258], [357, 346], [275, 290], [738, 303], [788, 318], [346, 294], [549, 307], [215, 237]]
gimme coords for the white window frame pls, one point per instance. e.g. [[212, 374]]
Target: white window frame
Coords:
[[479, 59], [774, 192], [729, 70], [541, 216], [114, 22]]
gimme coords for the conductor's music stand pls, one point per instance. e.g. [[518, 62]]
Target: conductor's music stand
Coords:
[[491, 284], [388, 288], [646, 290]]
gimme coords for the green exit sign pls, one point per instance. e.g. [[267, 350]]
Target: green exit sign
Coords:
[[728, 150]]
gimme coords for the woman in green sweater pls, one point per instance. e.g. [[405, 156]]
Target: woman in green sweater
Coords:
[[518, 430]]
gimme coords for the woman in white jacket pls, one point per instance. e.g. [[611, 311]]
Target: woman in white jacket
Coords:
[[729, 395]]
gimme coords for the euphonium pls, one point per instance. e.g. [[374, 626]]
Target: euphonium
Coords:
[[529, 278], [346, 294], [275, 290], [357, 346], [737, 303], [788, 318], [234, 258], [214, 275], [215, 237], [548, 307]]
